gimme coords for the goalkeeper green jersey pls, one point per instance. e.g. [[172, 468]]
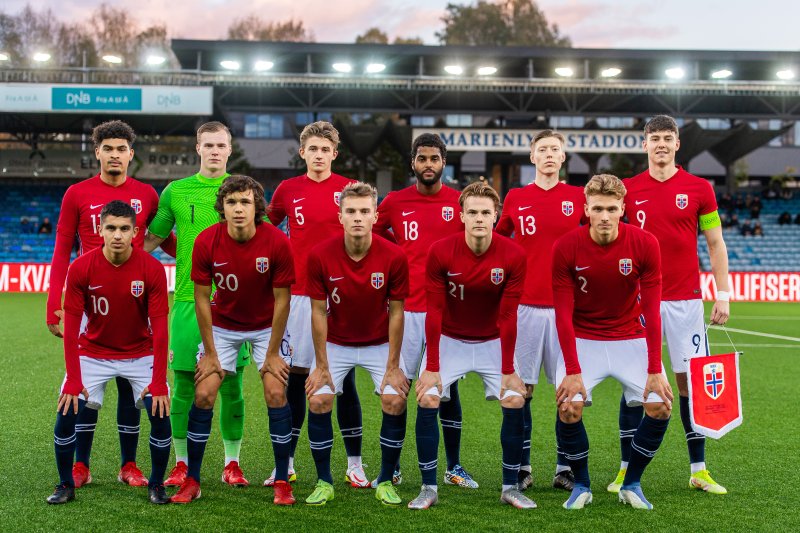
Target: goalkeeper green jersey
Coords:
[[188, 205]]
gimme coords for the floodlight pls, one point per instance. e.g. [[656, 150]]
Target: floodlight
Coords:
[[785, 74], [155, 60], [262, 65], [610, 72], [455, 70], [110, 58], [343, 67], [721, 74], [374, 68], [229, 64], [41, 57], [486, 71], [565, 72], [675, 73]]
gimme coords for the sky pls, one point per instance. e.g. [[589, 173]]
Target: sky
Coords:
[[644, 24]]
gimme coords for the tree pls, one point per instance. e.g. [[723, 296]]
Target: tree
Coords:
[[254, 28], [373, 36], [499, 23], [109, 30], [408, 40]]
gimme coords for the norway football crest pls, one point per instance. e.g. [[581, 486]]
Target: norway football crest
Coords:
[[497, 276], [625, 266], [567, 207], [337, 197], [681, 200], [377, 279], [136, 204], [262, 264], [447, 213], [137, 288], [714, 379]]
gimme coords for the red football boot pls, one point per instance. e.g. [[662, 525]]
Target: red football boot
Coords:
[[131, 475], [233, 476], [177, 476], [190, 490], [283, 493], [81, 475]]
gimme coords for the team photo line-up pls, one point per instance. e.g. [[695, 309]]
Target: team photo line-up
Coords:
[[420, 290]]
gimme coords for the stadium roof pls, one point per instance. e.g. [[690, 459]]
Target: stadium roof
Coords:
[[302, 76]]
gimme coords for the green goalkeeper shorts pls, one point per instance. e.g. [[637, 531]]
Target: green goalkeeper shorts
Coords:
[[184, 339]]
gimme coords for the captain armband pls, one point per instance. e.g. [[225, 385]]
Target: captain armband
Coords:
[[710, 221]]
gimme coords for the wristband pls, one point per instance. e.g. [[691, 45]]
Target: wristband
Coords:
[[723, 296]]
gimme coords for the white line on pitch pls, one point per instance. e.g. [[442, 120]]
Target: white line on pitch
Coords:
[[757, 317], [757, 333], [792, 346]]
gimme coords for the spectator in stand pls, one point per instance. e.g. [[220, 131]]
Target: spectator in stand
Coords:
[[46, 226], [747, 228], [726, 202], [739, 202], [733, 222], [758, 231], [25, 225], [797, 219], [725, 220], [787, 194], [748, 201], [755, 210], [785, 218]]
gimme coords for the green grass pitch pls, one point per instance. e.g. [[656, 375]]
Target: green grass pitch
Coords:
[[756, 462]]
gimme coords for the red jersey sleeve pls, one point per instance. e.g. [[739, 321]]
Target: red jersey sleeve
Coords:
[[170, 245], [564, 303], [73, 311], [435, 289], [157, 311], [650, 301], [505, 226], [202, 272], [315, 284], [65, 238], [399, 276], [283, 263], [708, 200], [382, 225], [507, 317], [277, 207]]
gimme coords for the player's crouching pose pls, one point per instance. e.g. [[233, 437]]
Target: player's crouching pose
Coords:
[[123, 292], [605, 275], [250, 263], [474, 284], [357, 278]]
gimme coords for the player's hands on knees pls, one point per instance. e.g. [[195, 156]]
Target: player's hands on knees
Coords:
[[206, 366], [720, 312], [161, 404], [426, 381], [569, 387], [57, 329], [318, 378], [397, 379], [275, 365], [65, 401], [512, 382], [658, 384]]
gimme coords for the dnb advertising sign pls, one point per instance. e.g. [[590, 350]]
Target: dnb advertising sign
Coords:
[[745, 286]]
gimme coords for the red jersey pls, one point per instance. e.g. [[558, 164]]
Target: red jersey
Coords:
[[313, 211], [538, 217], [80, 215], [358, 292], [467, 294], [244, 274], [671, 211], [418, 220], [120, 303], [597, 291]]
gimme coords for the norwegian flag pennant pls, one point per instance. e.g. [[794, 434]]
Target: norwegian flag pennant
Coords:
[[715, 395]]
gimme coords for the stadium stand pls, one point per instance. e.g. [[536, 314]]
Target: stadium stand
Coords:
[[778, 250]]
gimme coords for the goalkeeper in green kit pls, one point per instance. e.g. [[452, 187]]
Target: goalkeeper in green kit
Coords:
[[188, 204]]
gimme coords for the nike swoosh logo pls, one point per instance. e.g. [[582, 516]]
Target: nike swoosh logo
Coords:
[[92, 206], [220, 264], [335, 279], [578, 269], [298, 200], [524, 208], [453, 273], [639, 202], [405, 214], [95, 287]]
